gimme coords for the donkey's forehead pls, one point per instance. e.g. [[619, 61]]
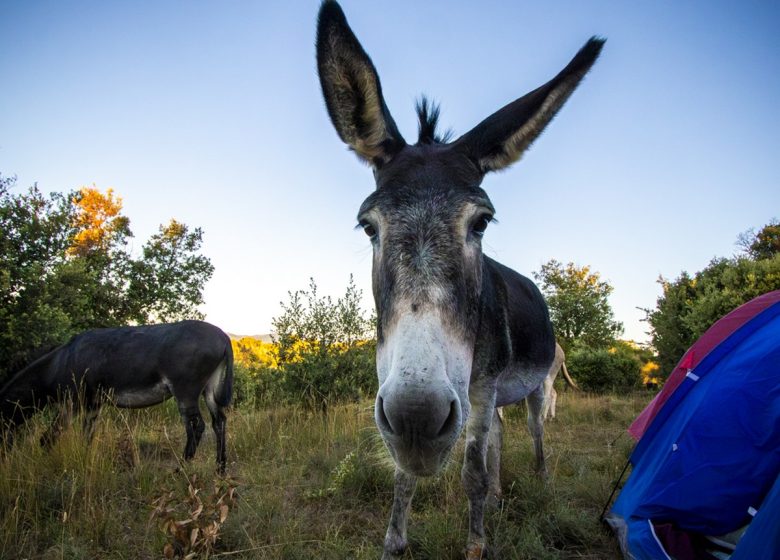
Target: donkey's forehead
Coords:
[[427, 175], [427, 165]]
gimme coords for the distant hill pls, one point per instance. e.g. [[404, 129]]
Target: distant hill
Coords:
[[260, 337]]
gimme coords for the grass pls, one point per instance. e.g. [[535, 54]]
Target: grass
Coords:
[[303, 486]]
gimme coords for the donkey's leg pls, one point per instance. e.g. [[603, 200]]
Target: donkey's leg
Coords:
[[218, 424], [63, 419], [547, 388], [194, 424], [395, 539], [475, 472], [90, 415], [553, 402], [535, 402], [495, 443]]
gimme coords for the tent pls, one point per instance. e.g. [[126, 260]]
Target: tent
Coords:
[[704, 480]]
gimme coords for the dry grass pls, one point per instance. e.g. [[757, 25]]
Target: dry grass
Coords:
[[308, 486]]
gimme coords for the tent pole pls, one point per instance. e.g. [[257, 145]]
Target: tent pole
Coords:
[[614, 489]]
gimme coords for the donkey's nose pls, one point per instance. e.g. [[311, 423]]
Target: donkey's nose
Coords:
[[450, 423], [415, 418]]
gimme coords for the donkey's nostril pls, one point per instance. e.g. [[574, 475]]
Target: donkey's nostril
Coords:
[[381, 417], [451, 421]]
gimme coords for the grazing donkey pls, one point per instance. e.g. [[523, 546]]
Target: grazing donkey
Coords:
[[550, 394], [458, 334], [133, 367]]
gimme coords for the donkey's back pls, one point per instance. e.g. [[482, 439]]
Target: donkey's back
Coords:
[[143, 365]]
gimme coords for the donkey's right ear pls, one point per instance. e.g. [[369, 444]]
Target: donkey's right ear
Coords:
[[352, 91]]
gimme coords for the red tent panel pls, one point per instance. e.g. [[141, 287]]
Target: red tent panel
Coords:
[[718, 332]]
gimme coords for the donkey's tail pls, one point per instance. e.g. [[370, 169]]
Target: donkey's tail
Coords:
[[223, 392], [569, 380]]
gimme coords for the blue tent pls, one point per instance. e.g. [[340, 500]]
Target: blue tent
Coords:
[[708, 456]]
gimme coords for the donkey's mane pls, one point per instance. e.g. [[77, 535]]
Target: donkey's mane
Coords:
[[428, 116]]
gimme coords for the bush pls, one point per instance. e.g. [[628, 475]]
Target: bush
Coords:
[[325, 348], [335, 374], [255, 387], [601, 370]]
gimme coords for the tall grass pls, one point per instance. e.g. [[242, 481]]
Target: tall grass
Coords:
[[308, 486]]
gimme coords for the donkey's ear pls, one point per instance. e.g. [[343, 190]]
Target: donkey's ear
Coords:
[[502, 138], [352, 91]]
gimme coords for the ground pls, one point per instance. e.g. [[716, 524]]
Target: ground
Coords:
[[301, 485]]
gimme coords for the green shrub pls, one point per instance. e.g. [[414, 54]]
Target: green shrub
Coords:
[[334, 374], [326, 348], [256, 386], [316, 379], [601, 369]]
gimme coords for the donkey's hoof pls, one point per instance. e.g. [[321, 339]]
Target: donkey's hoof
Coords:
[[395, 546], [477, 551], [393, 554]]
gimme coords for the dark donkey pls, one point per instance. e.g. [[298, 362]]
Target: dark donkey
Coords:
[[134, 367], [458, 334]]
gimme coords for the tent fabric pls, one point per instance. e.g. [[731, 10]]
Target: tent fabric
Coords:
[[709, 454], [762, 537], [722, 328]]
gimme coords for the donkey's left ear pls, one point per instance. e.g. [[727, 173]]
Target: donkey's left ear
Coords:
[[352, 91], [502, 138]]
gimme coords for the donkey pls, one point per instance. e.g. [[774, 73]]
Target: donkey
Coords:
[[132, 367], [458, 334], [550, 394], [536, 418]]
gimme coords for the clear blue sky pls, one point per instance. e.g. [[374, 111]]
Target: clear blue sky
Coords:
[[211, 112]]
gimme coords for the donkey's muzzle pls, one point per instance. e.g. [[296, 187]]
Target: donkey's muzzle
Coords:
[[418, 428]]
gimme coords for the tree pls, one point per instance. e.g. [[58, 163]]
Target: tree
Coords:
[[167, 281], [98, 250], [762, 245], [579, 306], [34, 235], [689, 305], [100, 226], [65, 267]]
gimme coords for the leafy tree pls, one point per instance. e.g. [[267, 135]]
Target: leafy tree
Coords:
[[579, 306], [762, 245], [326, 350], [100, 226], [65, 267], [689, 305], [167, 282], [98, 251], [34, 235]]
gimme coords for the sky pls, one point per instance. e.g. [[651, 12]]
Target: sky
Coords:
[[211, 113]]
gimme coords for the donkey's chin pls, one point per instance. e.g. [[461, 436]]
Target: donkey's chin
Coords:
[[422, 458]]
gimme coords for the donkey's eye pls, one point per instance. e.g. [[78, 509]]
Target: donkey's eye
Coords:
[[369, 230], [481, 224]]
